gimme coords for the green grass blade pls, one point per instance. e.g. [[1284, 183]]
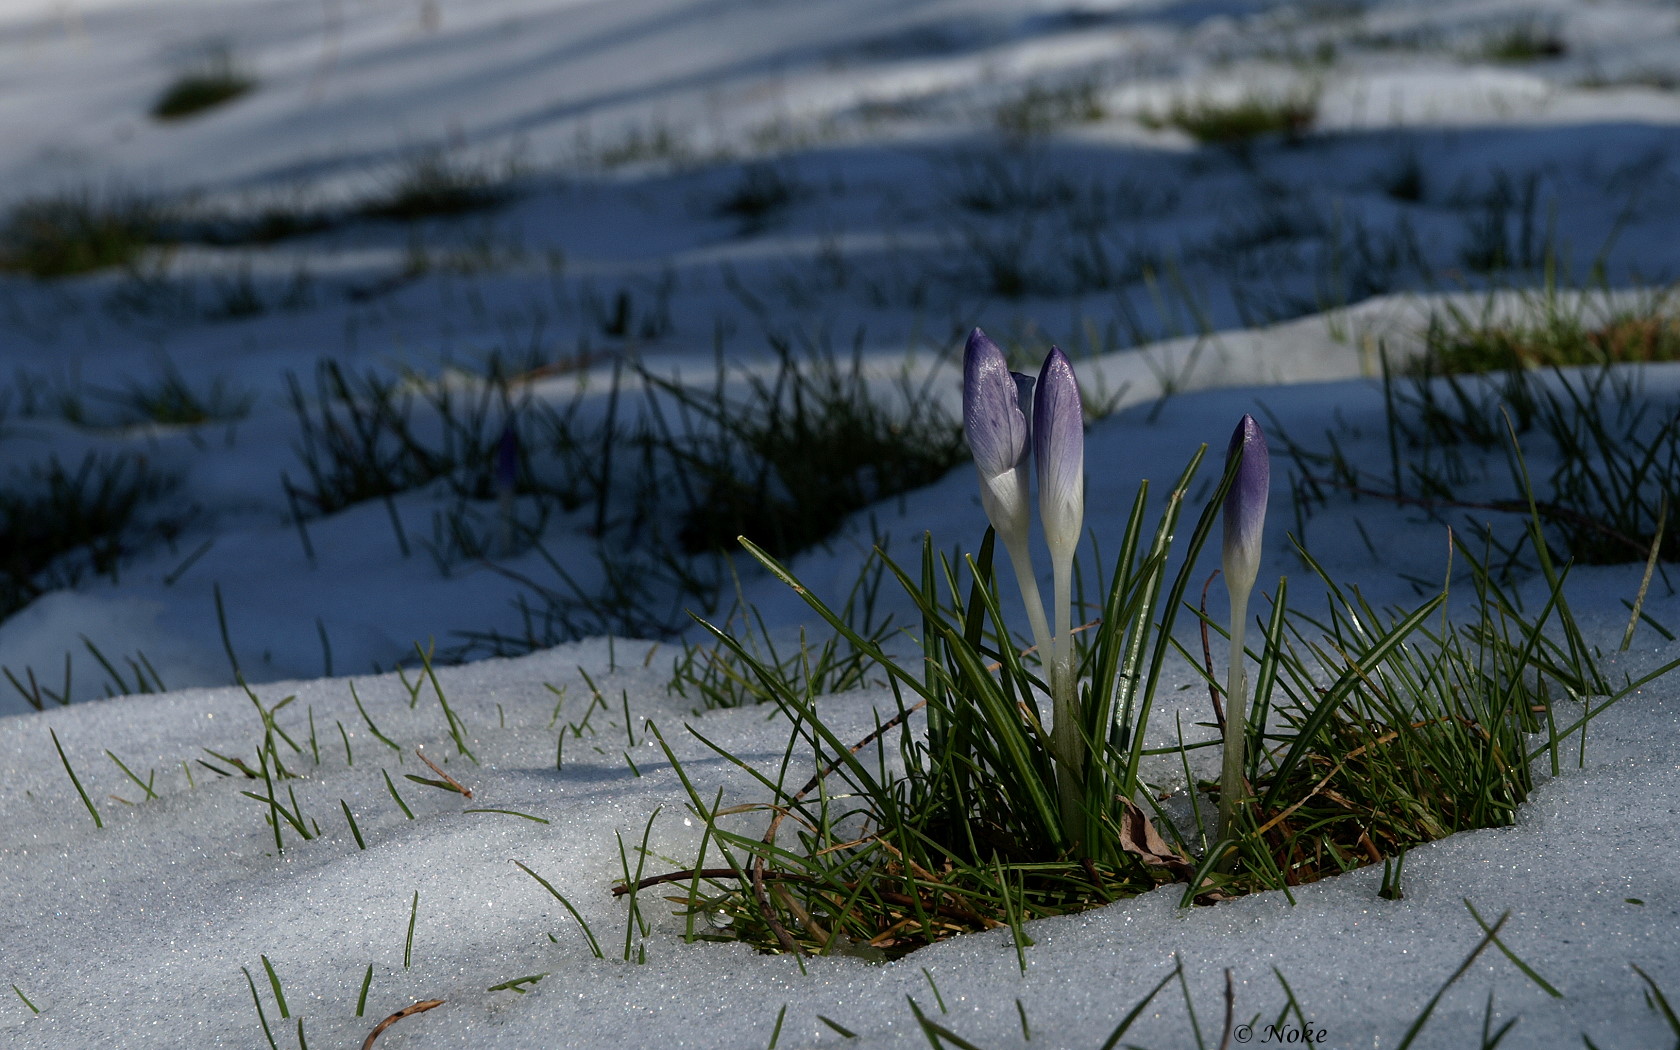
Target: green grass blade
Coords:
[[413, 918], [1137, 1009], [274, 983], [262, 1017], [1491, 934], [88, 802], [588, 934], [1545, 985], [367, 982]]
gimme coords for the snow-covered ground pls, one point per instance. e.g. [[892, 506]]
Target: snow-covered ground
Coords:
[[694, 179]]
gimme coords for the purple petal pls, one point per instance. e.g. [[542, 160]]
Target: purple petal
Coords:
[[992, 418], [1245, 504], [1024, 398], [1059, 448]]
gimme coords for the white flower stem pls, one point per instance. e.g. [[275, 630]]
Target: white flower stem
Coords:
[[1232, 786], [1020, 559], [1066, 741]]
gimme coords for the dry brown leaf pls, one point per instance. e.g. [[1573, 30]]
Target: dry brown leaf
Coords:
[[408, 1011], [1139, 838]]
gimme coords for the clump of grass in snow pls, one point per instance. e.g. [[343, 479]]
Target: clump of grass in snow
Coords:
[[809, 443], [785, 454], [362, 436], [58, 523], [433, 183], [761, 194], [658, 143], [1504, 230], [1525, 41], [1552, 332], [1618, 455], [714, 674], [173, 400], [996, 184], [1255, 114], [77, 232], [664, 469], [217, 81], [1370, 731], [272, 222], [1420, 734], [1043, 108], [429, 183], [1616, 448]]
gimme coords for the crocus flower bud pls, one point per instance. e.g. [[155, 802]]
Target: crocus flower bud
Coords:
[[1059, 446], [997, 435], [1245, 522], [1024, 397], [1058, 437], [1245, 505]]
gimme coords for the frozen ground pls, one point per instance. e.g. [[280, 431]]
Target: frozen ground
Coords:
[[678, 181]]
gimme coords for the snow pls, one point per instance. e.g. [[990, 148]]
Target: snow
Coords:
[[1191, 284]]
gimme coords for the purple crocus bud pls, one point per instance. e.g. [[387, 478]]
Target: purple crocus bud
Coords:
[[1245, 505], [1024, 397], [1245, 524], [997, 435], [1059, 447], [1058, 437]]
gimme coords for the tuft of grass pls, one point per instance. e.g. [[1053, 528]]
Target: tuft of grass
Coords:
[[1525, 41], [1554, 333], [171, 399], [761, 194], [658, 143], [39, 695], [59, 523], [716, 677], [1607, 500], [1290, 115], [365, 437], [77, 232], [1504, 230], [1405, 181], [217, 81], [433, 183], [1422, 734], [813, 441], [998, 184], [1043, 108], [268, 225], [1617, 448], [1371, 731]]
